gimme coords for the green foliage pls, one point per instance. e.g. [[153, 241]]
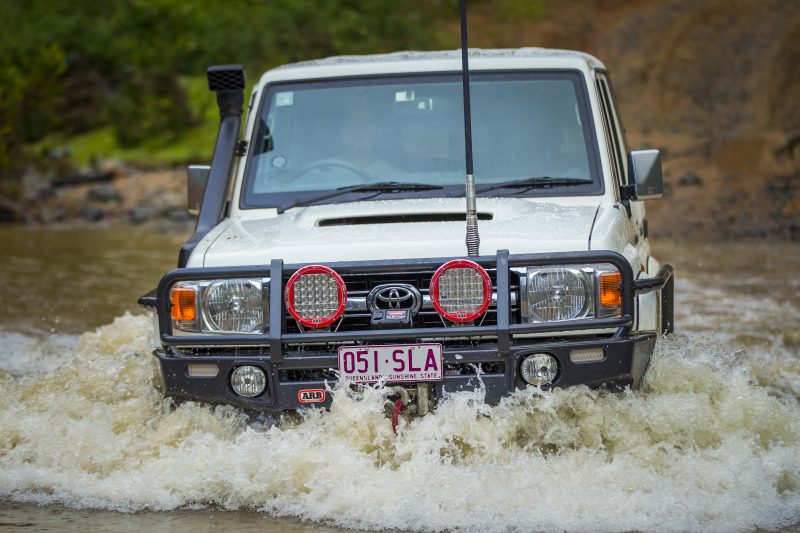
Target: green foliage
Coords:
[[194, 146], [520, 9], [28, 99], [302, 29], [126, 76], [148, 107]]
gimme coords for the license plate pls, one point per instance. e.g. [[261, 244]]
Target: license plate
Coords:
[[396, 362]]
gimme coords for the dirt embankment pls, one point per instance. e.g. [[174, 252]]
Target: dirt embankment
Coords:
[[715, 84]]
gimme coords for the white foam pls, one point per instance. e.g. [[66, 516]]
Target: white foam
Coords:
[[699, 448], [22, 353]]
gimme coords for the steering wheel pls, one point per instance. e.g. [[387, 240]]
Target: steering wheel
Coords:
[[324, 163]]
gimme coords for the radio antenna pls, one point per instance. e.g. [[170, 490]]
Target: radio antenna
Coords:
[[473, 239]]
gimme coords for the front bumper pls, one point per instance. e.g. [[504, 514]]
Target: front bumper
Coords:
[[626, 360]]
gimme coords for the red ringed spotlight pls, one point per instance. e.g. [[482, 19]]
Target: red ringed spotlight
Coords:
[[315, 296], [461, 290]]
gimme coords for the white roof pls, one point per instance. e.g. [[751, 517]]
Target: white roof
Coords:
[[436, 61]]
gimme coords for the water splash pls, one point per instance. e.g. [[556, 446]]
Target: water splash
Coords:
[[699, 448]]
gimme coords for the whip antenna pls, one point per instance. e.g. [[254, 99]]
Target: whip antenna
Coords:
[[473, 239]]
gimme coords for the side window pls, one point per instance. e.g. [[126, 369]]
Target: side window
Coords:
[[617, 132]]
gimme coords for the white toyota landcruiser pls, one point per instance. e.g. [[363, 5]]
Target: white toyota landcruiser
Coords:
[[330, 245]]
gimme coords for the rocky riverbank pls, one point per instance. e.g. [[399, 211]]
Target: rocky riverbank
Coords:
[[113, 193]]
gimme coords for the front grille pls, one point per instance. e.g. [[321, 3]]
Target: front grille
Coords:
[[473, 369], [357, 316], [221, 351], [308, 374]]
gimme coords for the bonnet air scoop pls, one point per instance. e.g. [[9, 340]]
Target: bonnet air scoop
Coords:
[[399, 219]]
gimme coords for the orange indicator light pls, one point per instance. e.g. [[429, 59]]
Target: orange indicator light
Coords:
[[183, 303], [610, 289]]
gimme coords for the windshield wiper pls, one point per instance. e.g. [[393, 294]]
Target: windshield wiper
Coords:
[[530, 183], [380, 188]]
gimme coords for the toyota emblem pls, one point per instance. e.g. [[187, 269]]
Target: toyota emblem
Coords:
[[394, 296]]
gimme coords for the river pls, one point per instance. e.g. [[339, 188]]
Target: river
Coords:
[[711, 443]]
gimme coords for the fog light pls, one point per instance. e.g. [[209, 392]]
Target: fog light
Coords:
[[539, 369], [248, 381], [587, 355]]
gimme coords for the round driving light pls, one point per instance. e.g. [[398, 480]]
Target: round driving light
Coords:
[[248, 381], [556, 294], [461, 290], [316, 296], [235, 305], [539, 369]]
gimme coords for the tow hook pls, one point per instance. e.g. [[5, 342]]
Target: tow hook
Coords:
[[399, 400], [396, 402]]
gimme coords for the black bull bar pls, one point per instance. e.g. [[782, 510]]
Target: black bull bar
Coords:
[[276, 357]]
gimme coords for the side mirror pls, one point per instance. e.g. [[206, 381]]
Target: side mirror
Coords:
[[197, 177], [646, 175]]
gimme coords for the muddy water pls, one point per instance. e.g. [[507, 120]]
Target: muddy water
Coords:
[[712, 443], [71, 280]]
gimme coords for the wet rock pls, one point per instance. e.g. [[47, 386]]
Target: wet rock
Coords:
[[781, 186], [143, 213], [793, 232], [86, 177], [178, 215], [105, 193], [690, 180], [41, 193], [92, 214], [159, 204], [51, 214]]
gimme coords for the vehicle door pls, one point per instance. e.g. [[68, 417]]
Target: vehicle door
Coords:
[[615, 139]]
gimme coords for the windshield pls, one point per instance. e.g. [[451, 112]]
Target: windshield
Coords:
[[328, 135]]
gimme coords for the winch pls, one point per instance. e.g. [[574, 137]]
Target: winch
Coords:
[[414, 401]]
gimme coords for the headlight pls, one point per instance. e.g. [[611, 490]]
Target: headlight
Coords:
[[234, 305], [571, 292], [557, 294], [219, 306]]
